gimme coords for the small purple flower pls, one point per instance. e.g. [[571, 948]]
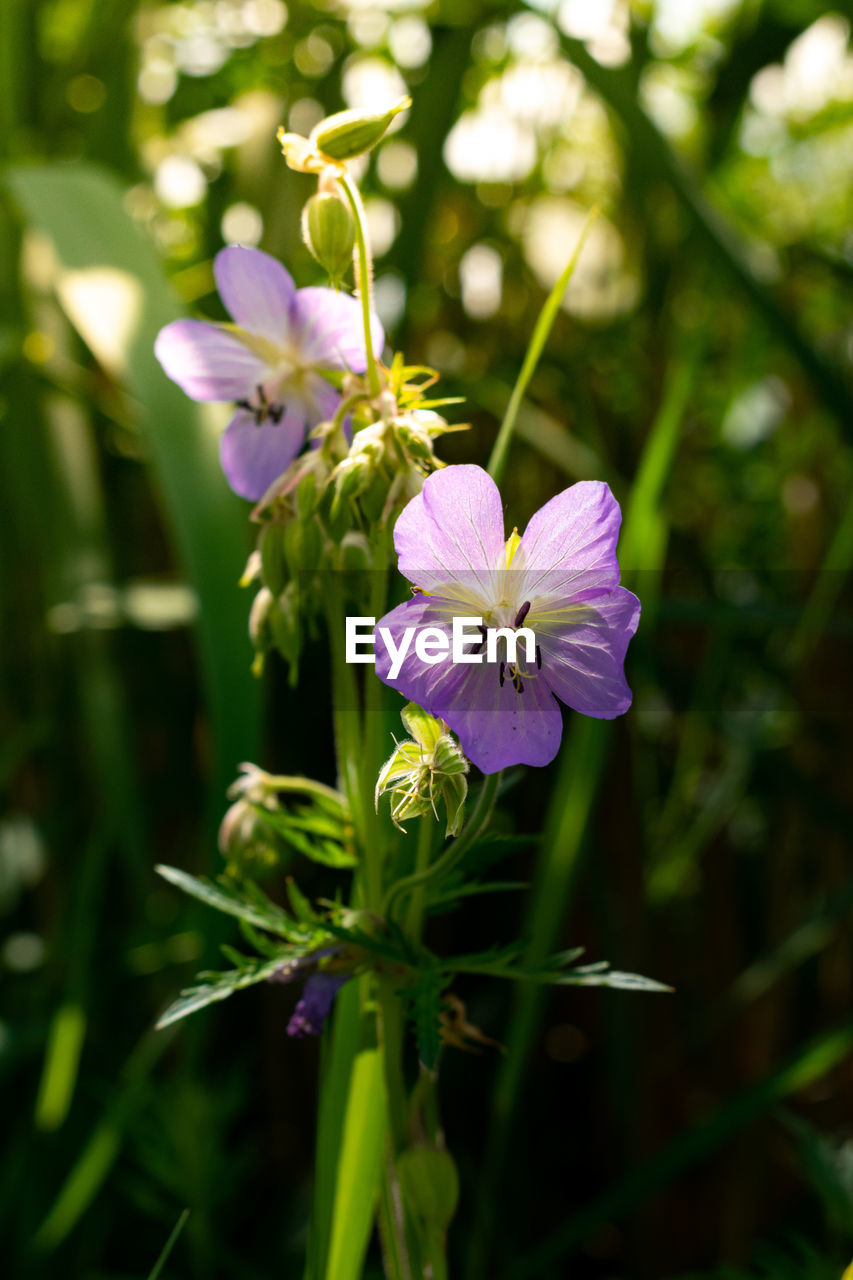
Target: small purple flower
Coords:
[[313, 1008], [269, 361], [560, 580]]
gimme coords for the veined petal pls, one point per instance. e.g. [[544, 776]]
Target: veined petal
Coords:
[[257, 291], [450, 537], [329, 329], [569, 545], [254, 456], [208, 362], [497, 725], [583, 652], [313, 397]]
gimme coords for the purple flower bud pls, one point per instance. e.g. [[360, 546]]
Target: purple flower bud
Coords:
[[312, 1010]]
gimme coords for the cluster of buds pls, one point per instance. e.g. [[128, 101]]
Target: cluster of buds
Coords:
[[424, 769], [333, 506], [336, 500], [244, 836]]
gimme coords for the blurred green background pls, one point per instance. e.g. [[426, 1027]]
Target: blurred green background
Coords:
[[701, 365]]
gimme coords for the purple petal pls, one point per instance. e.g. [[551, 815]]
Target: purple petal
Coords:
[[453, 527], [312, 1010], [253, 457], [570, 543], [207, 362], [315, 399], [497, 726], [582, 661], [331, 329], [256, 289]]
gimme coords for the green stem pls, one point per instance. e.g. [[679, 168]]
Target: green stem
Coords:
[[543, 326], [473, 829], [414, 918], [293, 785], [364, 277]]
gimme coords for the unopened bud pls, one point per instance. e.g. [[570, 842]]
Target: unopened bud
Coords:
[[355, 555], [351, 477], [329, 232], [422, 772], [430, 1185], [350, 133], [273, 563]]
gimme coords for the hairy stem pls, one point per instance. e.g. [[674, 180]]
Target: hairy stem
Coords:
[[364, 276], [473, 829]]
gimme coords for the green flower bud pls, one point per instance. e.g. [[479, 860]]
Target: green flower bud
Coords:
[[285, 630], [422, 772], [355, 555], [351, 477], [329, 232], [430, 1185], [350, 133], [273, 563]]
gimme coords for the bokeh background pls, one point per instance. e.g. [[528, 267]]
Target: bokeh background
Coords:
[[700, 364]]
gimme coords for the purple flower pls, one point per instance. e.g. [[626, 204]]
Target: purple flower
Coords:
[[560, 580], [268, 361], [312, 1010]]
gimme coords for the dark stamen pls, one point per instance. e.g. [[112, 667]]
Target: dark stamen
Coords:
[[244, 404], [539, 657], [501, 674], [522, 613]]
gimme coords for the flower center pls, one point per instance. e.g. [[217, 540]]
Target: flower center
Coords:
[[503, 618]]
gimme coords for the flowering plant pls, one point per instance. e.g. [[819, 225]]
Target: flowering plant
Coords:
[[333, 440]]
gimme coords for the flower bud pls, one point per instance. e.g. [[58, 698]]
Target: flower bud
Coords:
[[350, 133], [329, 232], [430, 1185], [351, 477], [355, 555], [273, 564], [425, 770], [285, 630], [259, 626]]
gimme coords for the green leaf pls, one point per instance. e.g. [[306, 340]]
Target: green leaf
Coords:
[[425, 1005], [111, 284], [213, 987], [226, 897], [359, 1167], [297, 830]]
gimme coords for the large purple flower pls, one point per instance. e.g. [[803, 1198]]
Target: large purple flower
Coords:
[[269, 361], [560, 580]]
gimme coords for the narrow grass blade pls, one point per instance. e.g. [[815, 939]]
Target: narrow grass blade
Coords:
[[807, 1066], [617, 86], [542, 328], [113, 288], [61, 1063], [169, 1246]]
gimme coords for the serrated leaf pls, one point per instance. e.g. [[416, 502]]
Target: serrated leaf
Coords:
[[218, 986], [259, 911], [611, 978], [328, 848], [425, 1004]]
